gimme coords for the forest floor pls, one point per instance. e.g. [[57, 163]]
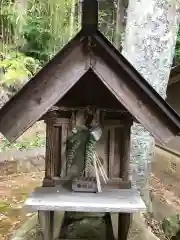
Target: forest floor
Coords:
[[16, 187], [168, 197], [13, 191]]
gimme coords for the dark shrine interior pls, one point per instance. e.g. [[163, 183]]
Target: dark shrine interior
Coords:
[[90, 91]]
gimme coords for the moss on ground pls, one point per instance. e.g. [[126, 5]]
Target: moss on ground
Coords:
[[4, 206]]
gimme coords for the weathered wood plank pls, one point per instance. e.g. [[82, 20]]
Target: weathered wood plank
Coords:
[[34, 101], [109, 227], [117, 153], [125, 150], [64, 136], [111, 152], [57, 122], [124, 222], [46, 220], [130, 98], [113, 123], [53, 151], [61, 199], [115, 183]]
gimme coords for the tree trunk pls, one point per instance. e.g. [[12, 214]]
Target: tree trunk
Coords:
[[72, 19], [21, 9], [149, 46], [120, 22]]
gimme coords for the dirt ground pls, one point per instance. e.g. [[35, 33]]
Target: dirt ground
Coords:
[[15, 188], [167, 192], [168, 204], [13, 191]]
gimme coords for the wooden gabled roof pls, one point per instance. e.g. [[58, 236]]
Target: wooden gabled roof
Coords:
[[80, 55]]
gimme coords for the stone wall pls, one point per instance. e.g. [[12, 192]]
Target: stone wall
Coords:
[[17, 161]]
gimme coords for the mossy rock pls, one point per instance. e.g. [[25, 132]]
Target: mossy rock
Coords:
[[87, 228]]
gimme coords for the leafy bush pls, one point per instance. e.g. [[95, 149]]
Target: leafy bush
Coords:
[[37, 39], [17, 69], [171, 227]]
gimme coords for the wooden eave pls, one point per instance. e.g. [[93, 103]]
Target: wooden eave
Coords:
[[120, 64], [67, 67], [16, 115]]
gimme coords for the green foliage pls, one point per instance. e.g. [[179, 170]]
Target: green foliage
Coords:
[[36, 141], [107, 19], [4, 206], [40, 28], [37, 39], [17, 69], [44, 27], [171, 226], [177, 50], [6, 21]]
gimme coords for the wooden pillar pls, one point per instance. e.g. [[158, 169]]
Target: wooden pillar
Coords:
[[119, 148], [124, 222], [53, 150], [53, 168], [64, 135], [125, 145], [109, 228], [111, 140], [46, 221], [114, 133]]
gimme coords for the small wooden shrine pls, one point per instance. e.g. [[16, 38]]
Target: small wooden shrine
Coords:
[[88, 95]]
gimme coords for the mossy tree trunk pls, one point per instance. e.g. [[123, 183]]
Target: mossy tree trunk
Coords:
[[149, 46]]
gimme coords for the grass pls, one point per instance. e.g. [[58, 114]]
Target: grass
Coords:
[[4, 206]]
